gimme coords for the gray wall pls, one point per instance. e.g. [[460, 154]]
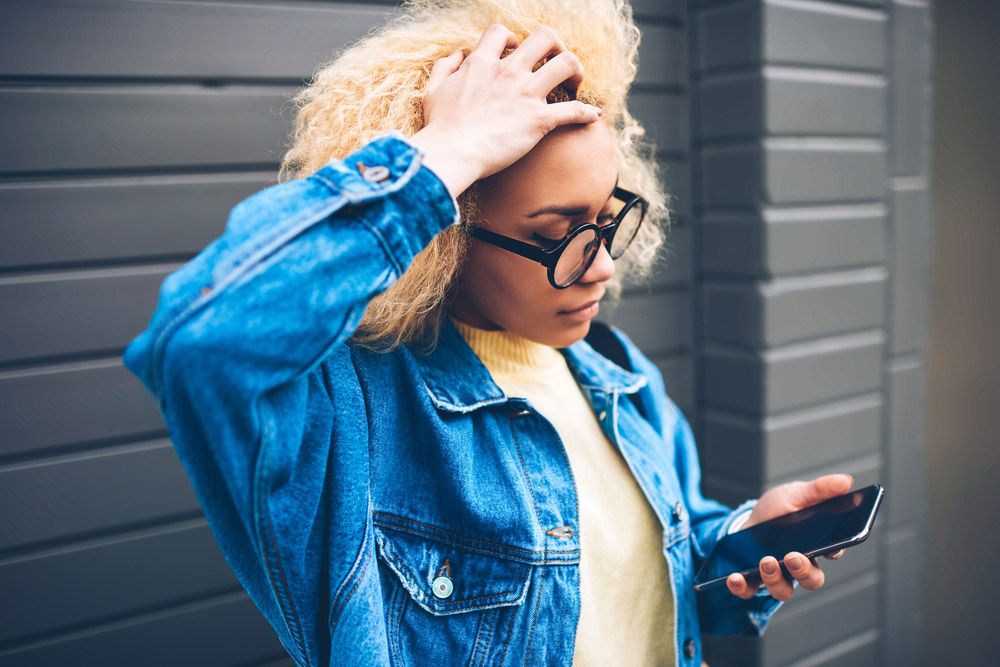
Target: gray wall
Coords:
[[129, 130], [787, 317], [963, 370], [809, 141]]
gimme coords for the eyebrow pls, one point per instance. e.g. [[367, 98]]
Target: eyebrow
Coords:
[[568, 211]]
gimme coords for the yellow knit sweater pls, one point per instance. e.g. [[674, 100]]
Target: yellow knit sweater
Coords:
[[626, 603]]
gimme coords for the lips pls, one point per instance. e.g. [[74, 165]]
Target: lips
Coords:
[[581, 308]]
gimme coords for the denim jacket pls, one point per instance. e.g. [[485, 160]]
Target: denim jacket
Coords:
[[398, 508]]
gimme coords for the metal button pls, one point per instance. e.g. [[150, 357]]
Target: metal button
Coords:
[[603, 415], [376, 174], [442, 587], [678, 510], [689, 647]]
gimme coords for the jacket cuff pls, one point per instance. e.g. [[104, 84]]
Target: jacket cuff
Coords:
[[379, 170], [739, 516]]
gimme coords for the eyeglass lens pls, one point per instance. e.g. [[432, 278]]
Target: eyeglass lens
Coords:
[[576, 257], [627, 229], [583, 247]]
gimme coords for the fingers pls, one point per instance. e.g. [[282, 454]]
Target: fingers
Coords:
[[835, 555], [740, 587], [542, 42], [494, 40], [824, 487], [807, 571], [443, 68], [574, 111], [774, 579], [565, 67]]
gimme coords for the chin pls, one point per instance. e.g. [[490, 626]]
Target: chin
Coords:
[[569, 335]]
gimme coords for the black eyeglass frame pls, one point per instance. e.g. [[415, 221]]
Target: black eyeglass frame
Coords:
[[550, 257]]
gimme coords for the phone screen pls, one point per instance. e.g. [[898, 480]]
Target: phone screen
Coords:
[[824, 527]]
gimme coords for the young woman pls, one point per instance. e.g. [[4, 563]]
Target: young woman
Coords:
[[378, 381]]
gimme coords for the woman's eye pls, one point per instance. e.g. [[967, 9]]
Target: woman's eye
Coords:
[[546, 241]]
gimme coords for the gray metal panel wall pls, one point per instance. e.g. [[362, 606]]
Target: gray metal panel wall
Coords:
[[657, 313], [810, 132], [129, 131]]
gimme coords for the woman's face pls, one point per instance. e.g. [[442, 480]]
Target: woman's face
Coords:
[[572, 168]]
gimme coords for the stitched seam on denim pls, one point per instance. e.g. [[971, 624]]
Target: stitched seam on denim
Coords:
[[284, 599], [262, 251], [373, 192], [494, 623], [677, 538], [571, 556], [410, 580], [524, 473], [572, 476], [676, 598], [630, 389], [453, 407], [477, 641], [457, 603], [454, 539], [386, 248], [534, 617], [398, 608], [618, 438], [510, 633], [357, 573], [262, 522]]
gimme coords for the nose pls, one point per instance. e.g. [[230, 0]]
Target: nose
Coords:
[[601, 269]]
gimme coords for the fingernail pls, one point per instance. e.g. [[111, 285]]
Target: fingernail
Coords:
[[795, 563], [770, 567]]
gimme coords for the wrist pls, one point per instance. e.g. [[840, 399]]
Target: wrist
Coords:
[[445, 156]]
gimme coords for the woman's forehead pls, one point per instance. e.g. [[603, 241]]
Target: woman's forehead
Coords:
[[568, 167]]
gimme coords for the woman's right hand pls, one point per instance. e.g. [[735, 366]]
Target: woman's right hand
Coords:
[[482, 113]]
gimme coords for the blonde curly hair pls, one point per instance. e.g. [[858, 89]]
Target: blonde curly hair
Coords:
[[377, 84]]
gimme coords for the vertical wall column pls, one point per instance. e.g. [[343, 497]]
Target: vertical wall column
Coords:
[[909, 234], [795, 153]]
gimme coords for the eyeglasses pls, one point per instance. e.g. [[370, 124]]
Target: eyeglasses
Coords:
[[570, 257]]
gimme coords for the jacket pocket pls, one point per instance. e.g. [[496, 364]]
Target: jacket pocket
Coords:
[[451, 604], [443, 578]]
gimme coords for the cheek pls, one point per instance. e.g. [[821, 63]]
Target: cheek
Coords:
[[506, 286]]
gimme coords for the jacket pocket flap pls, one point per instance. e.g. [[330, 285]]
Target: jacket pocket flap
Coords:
[[447, 579]]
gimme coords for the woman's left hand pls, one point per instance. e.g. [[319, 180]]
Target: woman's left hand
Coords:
[[776, 502]]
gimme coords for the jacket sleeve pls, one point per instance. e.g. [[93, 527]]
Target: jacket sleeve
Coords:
[[229, 355], [720, 612]]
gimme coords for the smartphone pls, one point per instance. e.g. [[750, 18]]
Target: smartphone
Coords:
[[823, 528]]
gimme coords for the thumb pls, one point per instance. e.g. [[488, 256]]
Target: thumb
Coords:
[[827, 486], [573, 111]]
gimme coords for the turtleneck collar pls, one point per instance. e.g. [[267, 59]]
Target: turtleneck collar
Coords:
[[507, 352]]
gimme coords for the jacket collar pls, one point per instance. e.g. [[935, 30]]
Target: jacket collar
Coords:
[[457, 381]]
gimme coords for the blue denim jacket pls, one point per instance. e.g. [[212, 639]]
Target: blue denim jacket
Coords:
[[398, 508]]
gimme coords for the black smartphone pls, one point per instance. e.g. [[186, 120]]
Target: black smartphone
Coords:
[[819, 529]]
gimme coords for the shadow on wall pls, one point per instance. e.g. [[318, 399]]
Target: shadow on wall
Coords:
[[961, 588]]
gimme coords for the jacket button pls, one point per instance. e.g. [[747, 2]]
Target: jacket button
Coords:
[[678, 510], [375, 174], [603, 415], [442, 587], [689, 647]]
